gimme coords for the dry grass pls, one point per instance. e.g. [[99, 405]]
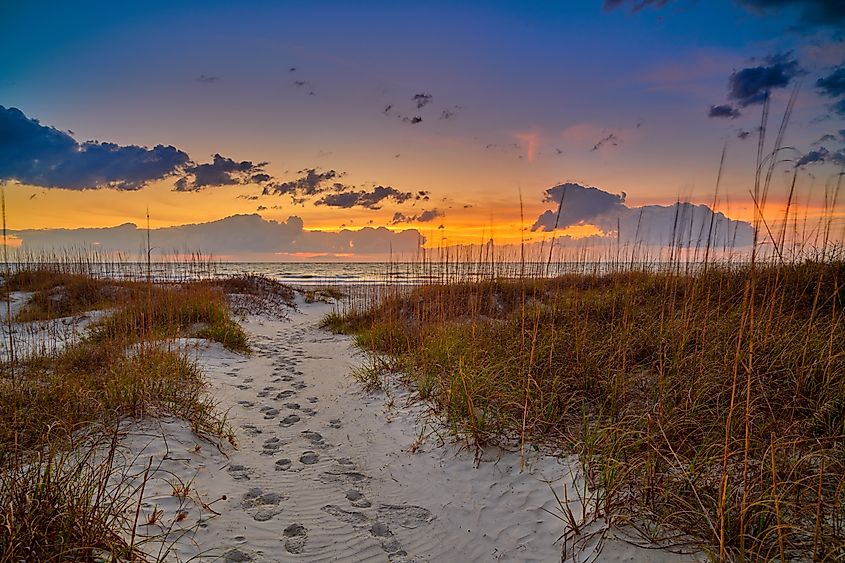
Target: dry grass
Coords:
[[61, 496], [708, 404]]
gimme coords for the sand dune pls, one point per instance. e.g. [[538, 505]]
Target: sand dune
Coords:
[[324, 471]]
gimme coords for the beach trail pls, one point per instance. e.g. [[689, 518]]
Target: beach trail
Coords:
[[324, 471]]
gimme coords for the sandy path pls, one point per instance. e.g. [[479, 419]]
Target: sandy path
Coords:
[[324, 471]]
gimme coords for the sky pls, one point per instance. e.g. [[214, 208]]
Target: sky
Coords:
[[456, 121]]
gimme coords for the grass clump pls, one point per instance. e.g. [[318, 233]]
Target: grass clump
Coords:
[[710, 403], [62, 497]]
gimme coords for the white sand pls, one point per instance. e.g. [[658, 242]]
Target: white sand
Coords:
[[324, 471]]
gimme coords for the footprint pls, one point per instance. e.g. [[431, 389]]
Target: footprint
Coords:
[[343, 477], [299, 385], [295, 537], [356, 499], [242, 387], [309, 458], [292, 406], [239, 472], [335, 423], [405, 515], [309, 411], [289, 420], [313, 399], [286, 394], [313, 437], [271, 446], [246, 404], [266, 504], [283, 464], [271, 413], [348, 516], [251, 429], [236, 556]]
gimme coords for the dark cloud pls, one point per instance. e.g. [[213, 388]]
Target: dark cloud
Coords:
[[43, 156], [825, 139], [311, 183], [580, 203], [206, 79], [412, 120], [424, 217], [422, 100], [221, 171], [811, 13], [726, 111], [240, 236], [816, 156], [681, 224], [833, 86], [372, 199], [611, 139], [753, 85], [636, 5]]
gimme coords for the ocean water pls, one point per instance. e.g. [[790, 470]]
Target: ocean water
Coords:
[[338, 273]]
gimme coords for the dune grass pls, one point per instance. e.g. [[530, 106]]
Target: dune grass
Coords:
[[708, 404], [61, 495]]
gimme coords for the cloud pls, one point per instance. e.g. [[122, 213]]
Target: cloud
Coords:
[[743, 134], [825, 139], [726, 111], [580, 203], [312, 183], [682, 224], [636, 5], [372, 199], [424, 217], [422, 100], [221, 171], [753, 85], [206, 79], [811, 13], [43, 156], [238, 236], [833, 86], [816, 156], [610, 139]]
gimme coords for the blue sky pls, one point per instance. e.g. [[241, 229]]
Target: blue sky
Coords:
[[530, 88]]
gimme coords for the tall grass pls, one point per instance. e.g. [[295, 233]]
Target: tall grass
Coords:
[[61, 495]]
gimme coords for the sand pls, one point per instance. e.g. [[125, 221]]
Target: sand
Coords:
[[325, 471]]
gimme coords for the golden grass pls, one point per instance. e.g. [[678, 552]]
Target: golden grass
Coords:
[[709, 404]]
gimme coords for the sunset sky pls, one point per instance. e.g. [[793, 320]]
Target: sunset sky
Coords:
[[454, 109]]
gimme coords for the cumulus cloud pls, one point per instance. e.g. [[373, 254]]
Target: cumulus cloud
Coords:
[[725, 111], [221, 171], [43, 156], [238, 236], [753, 85], [681, 224], [579, 204], [424, 217], [370, 199], [833, 86]]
